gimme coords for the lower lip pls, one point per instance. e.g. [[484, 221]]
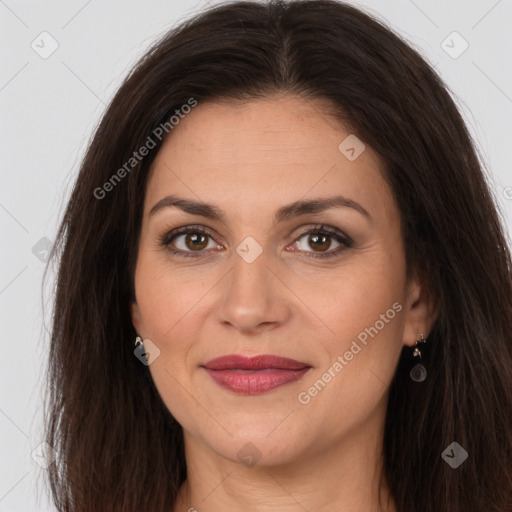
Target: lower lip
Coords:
[[248, 382]]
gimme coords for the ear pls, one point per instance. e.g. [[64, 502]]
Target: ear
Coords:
[[420, 312], [136, 317]]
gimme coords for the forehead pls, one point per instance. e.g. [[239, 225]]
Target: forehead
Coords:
[[232, 151], [282, 126]]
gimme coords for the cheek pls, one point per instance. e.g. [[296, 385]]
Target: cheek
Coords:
[[361, 304], [172, 302], [166, 301], [165, 295], [351, 384], [354, 296]]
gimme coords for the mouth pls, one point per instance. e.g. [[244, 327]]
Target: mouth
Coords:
[[254, 375]]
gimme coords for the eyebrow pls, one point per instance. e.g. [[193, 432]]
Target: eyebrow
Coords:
[[284, 213]]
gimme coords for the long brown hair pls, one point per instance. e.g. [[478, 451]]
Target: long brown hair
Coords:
[[118, 447]]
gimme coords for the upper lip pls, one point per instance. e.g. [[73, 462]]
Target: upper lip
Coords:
[[261, 362]]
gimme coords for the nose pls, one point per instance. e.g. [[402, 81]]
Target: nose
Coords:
[[256, 298]]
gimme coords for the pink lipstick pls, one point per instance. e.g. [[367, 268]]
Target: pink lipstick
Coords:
[[254, 375]]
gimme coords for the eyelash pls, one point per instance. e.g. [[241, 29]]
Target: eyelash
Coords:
[[344, 240]]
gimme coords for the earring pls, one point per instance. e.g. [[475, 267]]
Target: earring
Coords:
[[418, 372], [138, 341]]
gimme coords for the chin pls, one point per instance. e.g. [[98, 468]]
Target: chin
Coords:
[[255, 444]]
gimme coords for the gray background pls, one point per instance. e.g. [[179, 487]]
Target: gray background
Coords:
[[50, 106]]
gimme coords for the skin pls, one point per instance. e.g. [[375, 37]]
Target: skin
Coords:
[[249, 159]]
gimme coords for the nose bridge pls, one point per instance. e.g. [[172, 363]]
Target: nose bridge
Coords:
[[250, 274], [252, 297]]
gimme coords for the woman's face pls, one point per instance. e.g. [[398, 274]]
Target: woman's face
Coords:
[[259, 282]]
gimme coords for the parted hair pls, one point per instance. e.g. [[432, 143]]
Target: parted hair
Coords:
[[118, 447]]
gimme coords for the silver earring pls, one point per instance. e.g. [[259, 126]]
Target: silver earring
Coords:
[[418, 372], [138, 341]]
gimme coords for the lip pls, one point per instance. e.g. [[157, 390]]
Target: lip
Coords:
[[254, 375], [262, 362]]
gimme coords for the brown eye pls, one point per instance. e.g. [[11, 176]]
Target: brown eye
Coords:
[[187, 240], [196, 241], [319, 240]]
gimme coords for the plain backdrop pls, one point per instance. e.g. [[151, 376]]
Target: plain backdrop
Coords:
[[50, 104]]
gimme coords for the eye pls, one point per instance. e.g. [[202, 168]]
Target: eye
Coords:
[[320, 237], [189, 240]]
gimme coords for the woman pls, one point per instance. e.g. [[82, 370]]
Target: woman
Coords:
[[283, 282]]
